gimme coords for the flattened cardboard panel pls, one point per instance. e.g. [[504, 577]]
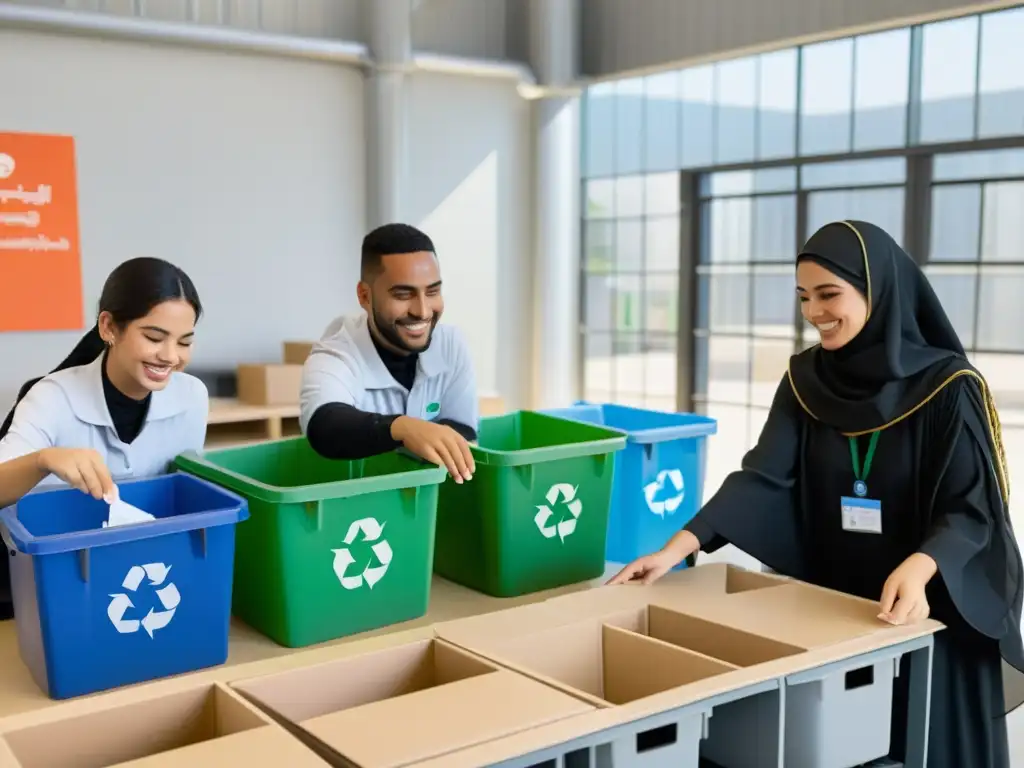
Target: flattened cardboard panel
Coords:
[[131, 732], [308, 692], [498, 625], [635, 666], [259, 747], [797, 614], [569, 656], [735, 646], [442, 719], [7, 759]]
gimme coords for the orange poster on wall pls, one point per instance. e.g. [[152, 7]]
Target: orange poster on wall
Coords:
[[40, 263]]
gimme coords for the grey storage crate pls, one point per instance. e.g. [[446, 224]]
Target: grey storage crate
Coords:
[[841, 719], [666, 740], [833, 718], [674, 743], [746, 733]]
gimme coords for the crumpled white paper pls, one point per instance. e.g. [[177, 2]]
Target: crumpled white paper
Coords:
[[123, 513]]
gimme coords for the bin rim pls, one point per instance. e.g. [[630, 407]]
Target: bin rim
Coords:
[[17, 537], [704, 426], [614, 442], [195, 463]]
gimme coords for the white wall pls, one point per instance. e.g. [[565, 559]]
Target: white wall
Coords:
[[470, 189], [247, 171]]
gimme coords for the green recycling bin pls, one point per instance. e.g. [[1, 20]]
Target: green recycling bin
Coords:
[[334, 547], [535, 514]]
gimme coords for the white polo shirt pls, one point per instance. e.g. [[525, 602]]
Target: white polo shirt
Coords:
[[68, 409], [344, 367]]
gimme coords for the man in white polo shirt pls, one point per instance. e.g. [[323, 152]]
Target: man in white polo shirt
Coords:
[[392, 376]]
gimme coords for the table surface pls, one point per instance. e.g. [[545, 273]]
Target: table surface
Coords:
[[448, 601]]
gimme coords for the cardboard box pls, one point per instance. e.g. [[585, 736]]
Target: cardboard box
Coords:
[[207, 726], [296, 352], [637, 652], [393, 707], [492, 405], [271, 384], [590, 665]]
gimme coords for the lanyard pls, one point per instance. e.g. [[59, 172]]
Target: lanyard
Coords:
[[862, 476]]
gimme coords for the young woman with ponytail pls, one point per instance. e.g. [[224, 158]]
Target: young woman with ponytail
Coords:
[[118, 406]]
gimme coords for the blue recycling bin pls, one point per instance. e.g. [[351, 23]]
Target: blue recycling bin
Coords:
[[96, 608], [659, 477]]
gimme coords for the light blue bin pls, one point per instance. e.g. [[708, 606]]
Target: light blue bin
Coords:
[[659, 477], [96, 608]]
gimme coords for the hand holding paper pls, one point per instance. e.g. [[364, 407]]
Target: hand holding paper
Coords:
[[123, 513]]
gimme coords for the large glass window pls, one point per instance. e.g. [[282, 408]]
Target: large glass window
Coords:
[[867, 190], [976, 266], [949, 60], [745, 320], [919, 130], [881, 84], [777, 102], [631, 289], [826, 96], [1001, 74]]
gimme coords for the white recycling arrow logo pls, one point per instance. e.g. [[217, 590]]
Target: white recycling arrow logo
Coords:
[[371, 531], [661, 507], [154, 620], [564, 526]]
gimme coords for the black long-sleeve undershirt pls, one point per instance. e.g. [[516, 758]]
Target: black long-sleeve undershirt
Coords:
[[341, 431]]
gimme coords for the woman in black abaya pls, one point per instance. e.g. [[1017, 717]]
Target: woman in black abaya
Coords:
[[880, 472]]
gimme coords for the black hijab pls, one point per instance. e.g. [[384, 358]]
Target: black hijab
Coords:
[[906, 350]]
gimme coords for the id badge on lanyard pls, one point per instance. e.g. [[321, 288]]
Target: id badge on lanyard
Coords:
[[860, 513]]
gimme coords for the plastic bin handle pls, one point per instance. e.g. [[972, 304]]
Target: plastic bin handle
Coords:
[[316, 509], [525, 472], [411, 497]]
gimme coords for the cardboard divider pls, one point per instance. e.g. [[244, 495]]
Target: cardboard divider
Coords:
[[731, 645], [739, 580], [200, 727], [794, 613], [441, 697], [606, 661]]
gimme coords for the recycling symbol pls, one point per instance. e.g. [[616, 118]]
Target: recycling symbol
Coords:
[[565, 525], [371, 531], [154, 620], [665, 506]]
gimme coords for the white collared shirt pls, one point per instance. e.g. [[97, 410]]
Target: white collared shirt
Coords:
[[344, 367], [68, 409]]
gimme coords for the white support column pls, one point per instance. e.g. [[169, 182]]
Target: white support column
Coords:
[[387, 160], [554, 26]]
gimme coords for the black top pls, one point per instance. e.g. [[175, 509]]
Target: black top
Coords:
[[935, 478], [401, 367], [127, 413], [342, 431]]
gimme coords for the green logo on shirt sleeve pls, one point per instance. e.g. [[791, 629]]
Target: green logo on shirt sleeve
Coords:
[[433, 409]]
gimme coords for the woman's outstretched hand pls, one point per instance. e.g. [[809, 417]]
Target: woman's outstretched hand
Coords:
[[903, 595], [649, 568]]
